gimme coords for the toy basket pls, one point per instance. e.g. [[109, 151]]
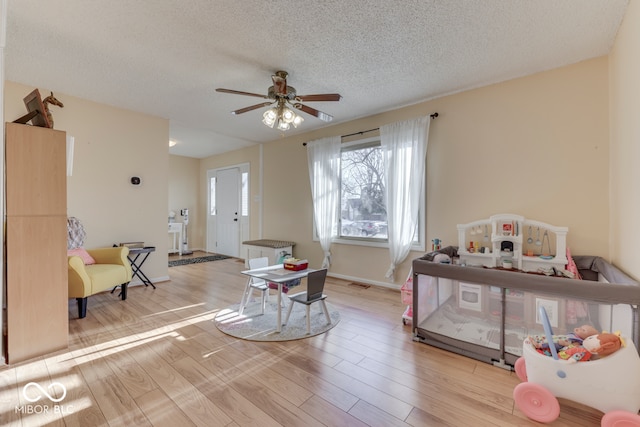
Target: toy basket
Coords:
[[610, 384]]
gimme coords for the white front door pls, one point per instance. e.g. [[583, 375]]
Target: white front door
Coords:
[[227, 212]]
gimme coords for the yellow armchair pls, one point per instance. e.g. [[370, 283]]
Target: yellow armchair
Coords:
[[112, 268]]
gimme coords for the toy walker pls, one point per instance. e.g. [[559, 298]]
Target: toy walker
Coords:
[[610, 384]]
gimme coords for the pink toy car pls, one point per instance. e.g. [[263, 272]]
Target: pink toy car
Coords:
[[610, 384]]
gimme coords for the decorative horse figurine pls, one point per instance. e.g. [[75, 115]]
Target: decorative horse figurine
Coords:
[[53, 101]]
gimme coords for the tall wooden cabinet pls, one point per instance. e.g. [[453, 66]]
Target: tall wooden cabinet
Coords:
[[36, 242]]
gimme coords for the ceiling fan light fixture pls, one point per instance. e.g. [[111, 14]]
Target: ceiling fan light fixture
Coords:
[[286, 99], [297, 120], [269, 117], [282, 125], [281, 117], [288, 116]]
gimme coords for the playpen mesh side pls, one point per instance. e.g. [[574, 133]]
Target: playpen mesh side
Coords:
[[472, 313]]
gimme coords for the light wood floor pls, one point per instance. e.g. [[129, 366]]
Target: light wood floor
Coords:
[[157, 359]]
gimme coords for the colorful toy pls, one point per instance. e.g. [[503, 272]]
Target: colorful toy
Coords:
[[574, 353], [578, 349], [560, 341], [610, 384]]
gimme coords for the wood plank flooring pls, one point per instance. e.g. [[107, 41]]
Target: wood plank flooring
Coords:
[[157, 359]]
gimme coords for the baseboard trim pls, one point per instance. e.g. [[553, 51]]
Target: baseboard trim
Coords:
[[138, 282], [367, 281], [337, 276]]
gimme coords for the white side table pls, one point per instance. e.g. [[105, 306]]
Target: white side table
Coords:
[[272, 249], [175, 230]]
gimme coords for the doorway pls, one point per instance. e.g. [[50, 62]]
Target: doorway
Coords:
[[228, 210]]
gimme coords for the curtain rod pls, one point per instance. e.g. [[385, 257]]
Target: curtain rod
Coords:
[[433, 116]]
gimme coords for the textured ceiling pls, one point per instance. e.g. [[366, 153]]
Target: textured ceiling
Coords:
[[166, 57]]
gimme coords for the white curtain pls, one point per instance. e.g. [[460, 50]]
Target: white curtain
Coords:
[[404, 148], [324, 174]]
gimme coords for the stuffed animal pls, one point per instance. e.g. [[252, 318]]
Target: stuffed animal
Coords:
[[560, 341], [442, 259], [603, 344]]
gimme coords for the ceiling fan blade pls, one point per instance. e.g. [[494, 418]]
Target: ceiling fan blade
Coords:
[[280, 82], [252, 107], [320, 97], [319, 114], [238, 92]]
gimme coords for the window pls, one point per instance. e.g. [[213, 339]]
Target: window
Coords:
[[212, 196], [244, 202], [363, 214], [362, 210]]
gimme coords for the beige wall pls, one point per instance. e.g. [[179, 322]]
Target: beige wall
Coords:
[[184, 189], [112, 145], [535, 146], [625, 143]]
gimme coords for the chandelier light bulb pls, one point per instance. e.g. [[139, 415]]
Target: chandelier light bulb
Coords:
[[270, 114], [297, 120], [287, 115], [282, 125], [269, 117]]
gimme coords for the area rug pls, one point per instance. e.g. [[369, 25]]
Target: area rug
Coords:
[[186, 261], [254, 326]]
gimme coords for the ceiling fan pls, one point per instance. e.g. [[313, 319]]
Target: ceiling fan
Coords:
[[281, 94]]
